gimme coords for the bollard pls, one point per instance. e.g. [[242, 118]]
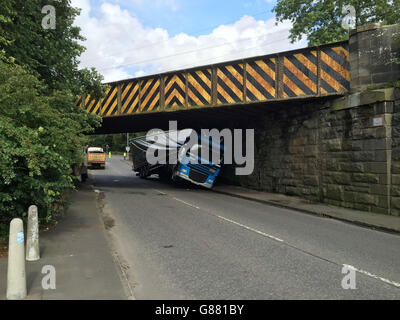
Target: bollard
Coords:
[[32, 237], [16, 277]]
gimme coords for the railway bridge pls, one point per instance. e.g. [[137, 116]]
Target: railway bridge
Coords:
[[326, 119]]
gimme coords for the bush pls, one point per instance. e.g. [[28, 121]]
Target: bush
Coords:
[[41, 139]]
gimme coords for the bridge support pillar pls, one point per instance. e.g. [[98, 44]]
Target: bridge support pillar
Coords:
[[373, 50]]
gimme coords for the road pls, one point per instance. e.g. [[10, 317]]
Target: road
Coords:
[[182, 242]]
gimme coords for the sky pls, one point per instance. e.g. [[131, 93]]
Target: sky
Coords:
[[133, 38]]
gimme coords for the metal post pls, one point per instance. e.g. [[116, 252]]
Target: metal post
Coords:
[[16, 276]]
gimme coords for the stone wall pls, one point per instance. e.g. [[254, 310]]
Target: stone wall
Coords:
[[373, 50], [332, 153]]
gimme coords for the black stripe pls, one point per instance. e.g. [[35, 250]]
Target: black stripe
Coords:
[[262, 73], [197, 94], [259, 87], [327, 86], [311, 57], [221, 98], [231, 77], [207, 74], [307, 72], [251, 96], [128, 93], [131, 102], [182, 77], [298, 82], [88, 104], [228, 90], [338, 58], [202, 83], [172, 88], [288, 91], [335, 75], [109, 93], [147, 106], [191, 102], [94, 106], [270, 64], [152, 84], [168, 79], [238, 69], [110, 104], [175, 100]]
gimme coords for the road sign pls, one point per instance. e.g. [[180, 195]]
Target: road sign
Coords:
[[128, 149]]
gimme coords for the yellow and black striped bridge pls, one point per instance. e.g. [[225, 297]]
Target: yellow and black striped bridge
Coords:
[[300, 74]]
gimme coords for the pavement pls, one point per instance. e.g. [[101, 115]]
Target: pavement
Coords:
[[79, 250], [179, 241]]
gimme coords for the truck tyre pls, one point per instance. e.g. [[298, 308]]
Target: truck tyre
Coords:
[[163, 175]]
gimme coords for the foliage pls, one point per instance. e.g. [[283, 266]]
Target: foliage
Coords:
[[41, 129], [40, 139], [51, 55], [321, 20], [116, 142]]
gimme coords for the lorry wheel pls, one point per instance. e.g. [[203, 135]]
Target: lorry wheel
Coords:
[[174, 177], [142, 173]]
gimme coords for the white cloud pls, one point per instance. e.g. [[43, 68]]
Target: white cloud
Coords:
[[120, 46]]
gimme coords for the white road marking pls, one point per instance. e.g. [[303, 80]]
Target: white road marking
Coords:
[[251, 229], [369, 274], [188, 204], [396, 284], [159, 191]]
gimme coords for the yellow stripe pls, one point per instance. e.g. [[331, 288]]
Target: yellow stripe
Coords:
[[134, 104], [203, 77], [266, 68], [261, 81], [108, 101], [225, 95], [149, 95], [152, 105], [307, 63], [146, 86], [97, 106], [112, 107], [87, 99], [174, 94], [335, 66], [230, 84], [292, 87], [130, 97], [123, 94], [342, 52], [90, 106], [169, 85], [331, 81], [300, 75]]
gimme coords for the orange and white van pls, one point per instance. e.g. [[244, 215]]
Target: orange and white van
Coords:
[[96, 157]]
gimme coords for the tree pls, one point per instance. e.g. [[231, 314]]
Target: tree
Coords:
[[41, 129], [39, 144], [49, 54], [321, 20]]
